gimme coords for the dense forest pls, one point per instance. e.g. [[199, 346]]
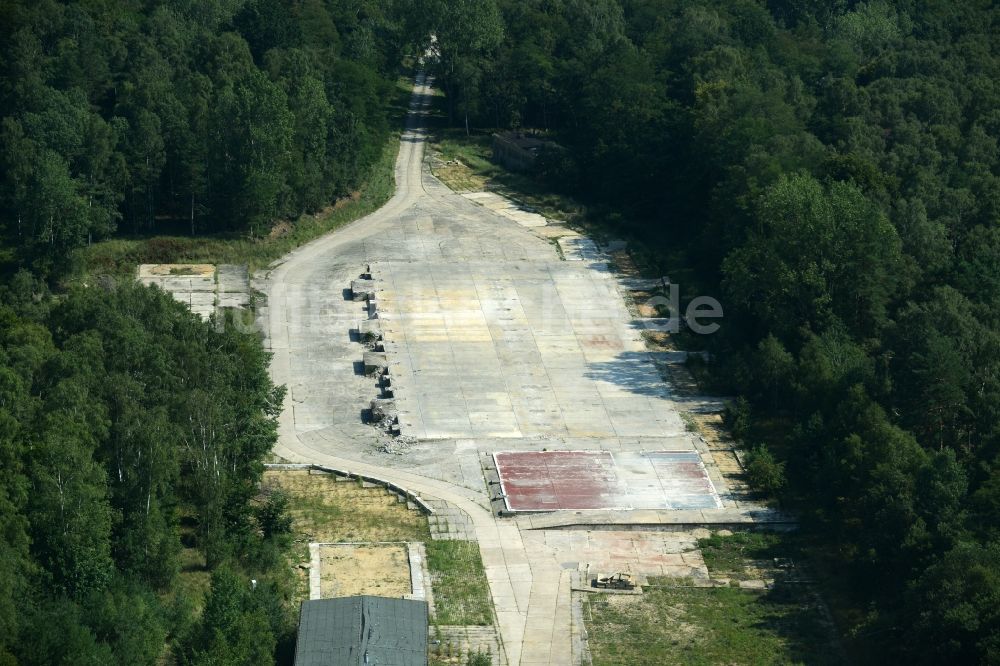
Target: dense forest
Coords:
[[132, 433], [831, 172], [184, 115], [130, 429]]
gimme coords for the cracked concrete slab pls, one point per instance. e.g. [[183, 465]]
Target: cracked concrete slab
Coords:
[[204, 288], [507, 208], [588, 480], [517, 349], [493, 342]]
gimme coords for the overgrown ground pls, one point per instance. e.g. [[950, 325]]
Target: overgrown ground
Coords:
[[326, 510], [461, 591], [676, 625], [193, 580], [448, 655], [329, 511], [672, 623], [465, 165], [381, 569], [740, 556]]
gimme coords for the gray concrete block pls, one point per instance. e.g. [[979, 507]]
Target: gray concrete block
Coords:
[[362, 289], [370, 329], [375, 361], [383, 408]]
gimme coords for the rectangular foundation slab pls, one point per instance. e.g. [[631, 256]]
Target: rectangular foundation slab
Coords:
[[582, 480]]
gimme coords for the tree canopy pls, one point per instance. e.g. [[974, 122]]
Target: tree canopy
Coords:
[[128, 429], [829, 171], [195, 117], [132, 433]]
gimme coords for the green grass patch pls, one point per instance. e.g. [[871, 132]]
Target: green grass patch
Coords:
[[480, 172], [728, 554], [448, 655], [192, 582], [707, 626], [326, 510], [461, 591], [474, 151]]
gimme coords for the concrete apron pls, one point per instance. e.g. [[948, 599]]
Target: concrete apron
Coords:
[[426, 235]]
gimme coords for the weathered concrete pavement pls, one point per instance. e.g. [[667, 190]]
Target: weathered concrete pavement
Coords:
[[495, 343]]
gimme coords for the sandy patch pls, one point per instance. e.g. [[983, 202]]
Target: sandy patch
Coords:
[[347, 570]]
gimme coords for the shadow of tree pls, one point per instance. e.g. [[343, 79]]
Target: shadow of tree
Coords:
[[634, 371], [796, 614]]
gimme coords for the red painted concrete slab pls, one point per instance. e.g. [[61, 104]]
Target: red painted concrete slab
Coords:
[[550, 480], [580, 480]]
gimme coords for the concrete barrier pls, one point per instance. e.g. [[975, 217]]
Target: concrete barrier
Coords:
[[370, 329], [375, 361], [362, 289]]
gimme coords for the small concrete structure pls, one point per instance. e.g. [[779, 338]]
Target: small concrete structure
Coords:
[[384, 408], [518, 151], [642, 284], [375, 361], [579, 248], [679, 357], [419, 577], [204, 288], [362, 289], [370, 329]]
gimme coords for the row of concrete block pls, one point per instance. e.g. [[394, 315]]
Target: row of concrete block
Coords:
[[375, 360], [365, 289]]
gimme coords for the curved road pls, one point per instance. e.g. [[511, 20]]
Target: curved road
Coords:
[[292, 285], [430, 235]]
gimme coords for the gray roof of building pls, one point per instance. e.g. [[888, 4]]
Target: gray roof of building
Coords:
[[363, 630]]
